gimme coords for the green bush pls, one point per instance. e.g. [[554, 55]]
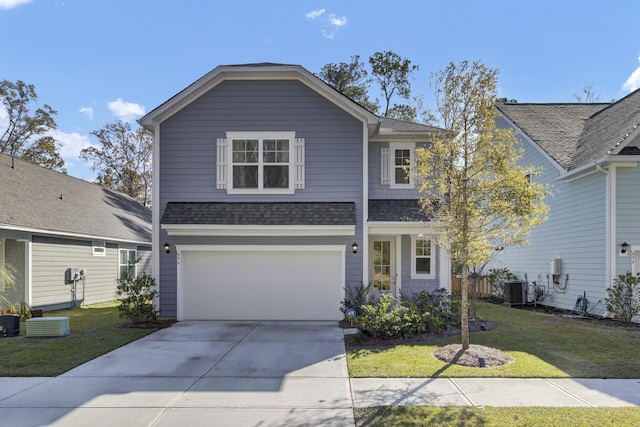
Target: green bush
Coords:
[[137, 304], [409, 316], [496, 279], [623, 300], [356, 298]]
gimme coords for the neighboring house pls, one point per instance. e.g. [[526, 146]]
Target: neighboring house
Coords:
[[51, 223], [590, 154], [273, 192]]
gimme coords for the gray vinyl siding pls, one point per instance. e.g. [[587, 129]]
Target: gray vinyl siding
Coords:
[[376, 189], [50, 259], [52, 256], [575, 232], [414, 286], [627, 218], [333, 160]]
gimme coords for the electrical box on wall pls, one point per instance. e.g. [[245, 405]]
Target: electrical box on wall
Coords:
[[554, 266]]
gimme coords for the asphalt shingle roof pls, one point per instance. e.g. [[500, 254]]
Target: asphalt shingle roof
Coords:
[[556, 128], [401, 126], [34, 197], [260, 213], [576, 134], [396, 210]]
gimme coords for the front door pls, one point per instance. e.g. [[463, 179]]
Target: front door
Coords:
[[382, 266]]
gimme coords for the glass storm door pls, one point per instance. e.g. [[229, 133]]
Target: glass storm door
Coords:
[[382, 265]]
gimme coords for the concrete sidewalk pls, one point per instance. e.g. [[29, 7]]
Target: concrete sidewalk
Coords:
[[556, 392], [260, 373]]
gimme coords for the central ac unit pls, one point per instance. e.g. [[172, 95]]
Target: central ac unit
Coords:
[[515, 292], [47, 327]]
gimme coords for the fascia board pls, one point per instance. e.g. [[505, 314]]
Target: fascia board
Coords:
[[70, 235], [258, 230]]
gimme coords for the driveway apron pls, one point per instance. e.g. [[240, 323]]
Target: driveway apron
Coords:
[[199, 373]]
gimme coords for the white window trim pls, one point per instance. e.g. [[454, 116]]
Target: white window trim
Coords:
[[98, 244], [291, 136], [135, 266], [411, 146], [415, 275]]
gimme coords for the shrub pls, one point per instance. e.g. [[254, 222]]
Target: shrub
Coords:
[[356, 298], [409, 316], [137, 304], [623, 300], [496, 278]]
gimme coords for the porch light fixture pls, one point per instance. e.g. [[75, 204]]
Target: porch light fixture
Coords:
[[624, 247], [354, 247], [167, 247]]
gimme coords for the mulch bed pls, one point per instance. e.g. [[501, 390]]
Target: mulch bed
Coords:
[[474, 326], [152, 324]]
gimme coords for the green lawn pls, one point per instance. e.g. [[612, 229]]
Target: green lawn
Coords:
[[497, 417], [93, 333], [542, 345]]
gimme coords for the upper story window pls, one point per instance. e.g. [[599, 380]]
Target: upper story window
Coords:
[[260, 162], [397, 165]]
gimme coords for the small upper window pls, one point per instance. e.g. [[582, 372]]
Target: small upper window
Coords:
[[402, 164], [98, 248]]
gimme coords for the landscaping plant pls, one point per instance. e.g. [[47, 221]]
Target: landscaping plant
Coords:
[[623, 300], [356, 298], [137, 304]]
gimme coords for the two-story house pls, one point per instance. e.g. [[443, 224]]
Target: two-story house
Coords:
[[273, 192]]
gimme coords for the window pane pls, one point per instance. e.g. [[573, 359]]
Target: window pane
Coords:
[[423, 265], [245, 151], [124, 257], [276, 177], [402, 157], [132, 257], [276, 151], [401, 176], [245, 177]]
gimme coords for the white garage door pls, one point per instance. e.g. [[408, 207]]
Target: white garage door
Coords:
[[261, 282]]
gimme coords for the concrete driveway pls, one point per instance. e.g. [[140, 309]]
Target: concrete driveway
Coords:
[[198, 373]]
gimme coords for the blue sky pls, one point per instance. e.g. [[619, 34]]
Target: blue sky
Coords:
[[96, 61]]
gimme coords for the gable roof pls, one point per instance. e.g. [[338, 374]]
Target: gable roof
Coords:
[[577, 135], [556, 128], [270, 71], [37, 199], [396, 210], [259, 71]]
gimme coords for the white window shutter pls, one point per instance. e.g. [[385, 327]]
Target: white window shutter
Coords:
[[384, 166], [221, 164], [298, 164]]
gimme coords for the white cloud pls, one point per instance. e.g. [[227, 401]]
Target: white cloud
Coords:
[[311, 15], [87, 110], [633, 81], [126, 111], [10, 4], [71, 144], [330, 23], [337, 22]]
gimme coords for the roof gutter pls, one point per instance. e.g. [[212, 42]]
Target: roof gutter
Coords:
[[584, 170]]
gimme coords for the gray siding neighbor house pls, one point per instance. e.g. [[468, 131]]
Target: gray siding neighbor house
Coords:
[[273, 192], [589, 154], [64, 241]]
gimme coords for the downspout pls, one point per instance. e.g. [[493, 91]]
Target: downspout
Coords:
[[609, 220], [155, 214], [611, 247], [365, 203]]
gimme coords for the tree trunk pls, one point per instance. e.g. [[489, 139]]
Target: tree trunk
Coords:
[[464, 321]]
